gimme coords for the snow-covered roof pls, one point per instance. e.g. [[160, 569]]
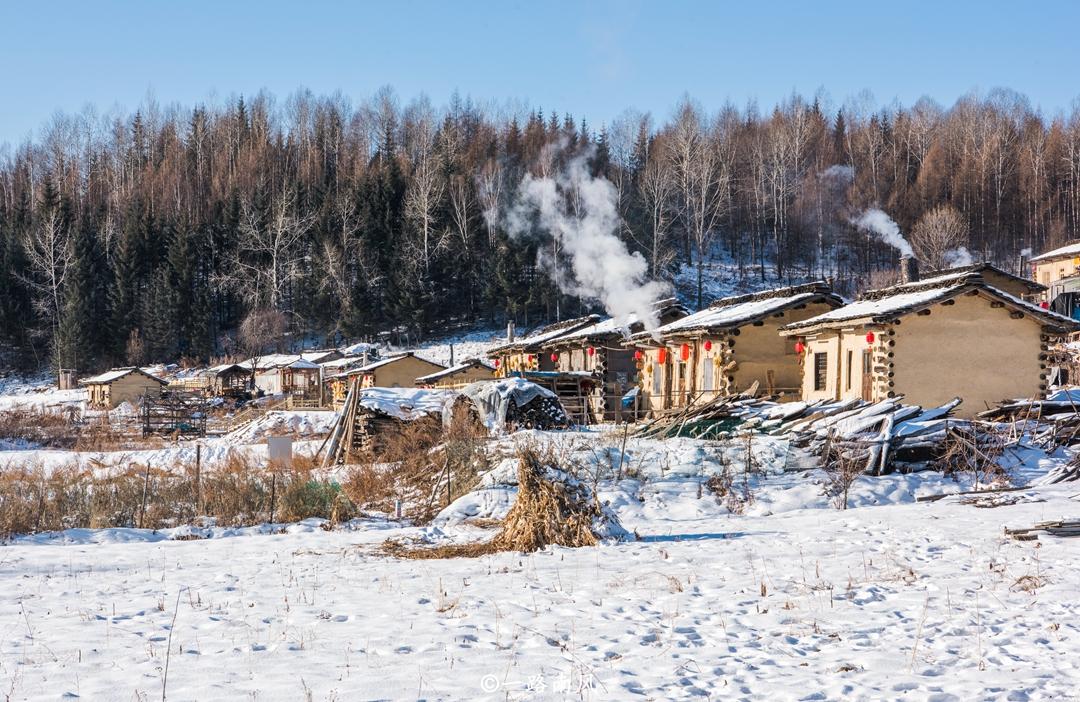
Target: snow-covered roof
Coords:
[[1067, 251], [346, 362], [878, 306], [284, 360], [453, 370], [613, 326], [359, 348], [744, 309], [319, 355], [982, 268], [406, 404], [116, 374], [546, 334], [362, 370], [223, 367]]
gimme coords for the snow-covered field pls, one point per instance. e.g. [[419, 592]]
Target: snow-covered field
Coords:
[[891, 599]]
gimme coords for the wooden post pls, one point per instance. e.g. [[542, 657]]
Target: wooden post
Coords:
[[273, 494], [198, 479], [146, 487]]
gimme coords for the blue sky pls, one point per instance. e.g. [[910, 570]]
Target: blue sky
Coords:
[[592, 58]]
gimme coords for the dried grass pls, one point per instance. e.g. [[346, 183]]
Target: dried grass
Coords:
[[552, 508], [243, 492]]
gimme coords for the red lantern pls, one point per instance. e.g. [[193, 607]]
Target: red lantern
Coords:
[[532, 358], [592, 351], [869, 337], [554, 357], [800, 347], [497, 361], [708, 345], [637, 354], [661, 356], [1045, 305], [684, 352]]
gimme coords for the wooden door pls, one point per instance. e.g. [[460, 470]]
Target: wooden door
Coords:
[[867, 377]]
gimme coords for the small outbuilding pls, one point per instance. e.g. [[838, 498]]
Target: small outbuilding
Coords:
[[729, 347], [227, 380], [458, 376], [119, 385], [398, 371], [947, 336]]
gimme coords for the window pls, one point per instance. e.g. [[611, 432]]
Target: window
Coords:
[[707, 376], [821, 369], [657, 379], [850, 363]]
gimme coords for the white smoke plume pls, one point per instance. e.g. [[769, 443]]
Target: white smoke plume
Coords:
[[881, 224], [1026, 253], [958, 257], [580, 213], [839, 172]]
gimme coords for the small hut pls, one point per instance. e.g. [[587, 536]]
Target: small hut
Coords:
[[471, 371], [119, 385], [728, 347], [285, 374], [930, 341], [599, 349], [227, 380]]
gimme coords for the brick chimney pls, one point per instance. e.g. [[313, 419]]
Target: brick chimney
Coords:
[[909, 269]]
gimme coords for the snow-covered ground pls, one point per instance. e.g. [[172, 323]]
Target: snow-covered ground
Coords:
[[792, 599]]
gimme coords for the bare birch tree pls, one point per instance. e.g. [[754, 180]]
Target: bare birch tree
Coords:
[[49, 253]]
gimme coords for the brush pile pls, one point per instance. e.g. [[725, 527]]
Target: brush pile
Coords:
[[553, 508]]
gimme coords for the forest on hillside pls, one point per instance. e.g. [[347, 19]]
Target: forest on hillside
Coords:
[[149, 236]]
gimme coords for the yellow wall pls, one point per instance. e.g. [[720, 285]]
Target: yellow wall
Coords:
[[129, 388], [968, 349], [401, 373], [462, 378], [1049, 272]]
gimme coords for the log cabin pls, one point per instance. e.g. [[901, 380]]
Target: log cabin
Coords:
[[599, 350]]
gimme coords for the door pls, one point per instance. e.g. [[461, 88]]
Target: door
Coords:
[[867, 377]]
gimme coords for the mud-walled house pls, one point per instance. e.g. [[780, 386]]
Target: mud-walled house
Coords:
[[397, 371], [948, 335], [728, 347], [119, 385], [526, 353], [599, 350], [457, 376]]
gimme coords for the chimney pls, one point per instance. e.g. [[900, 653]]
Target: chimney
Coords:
[[510, 332], [909, 269]]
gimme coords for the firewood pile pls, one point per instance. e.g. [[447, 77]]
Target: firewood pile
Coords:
[[1051, 422], [885, 436], [539, 413]]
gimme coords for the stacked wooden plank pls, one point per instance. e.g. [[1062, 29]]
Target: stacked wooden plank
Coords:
[[1053, 528], [886, 435]]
